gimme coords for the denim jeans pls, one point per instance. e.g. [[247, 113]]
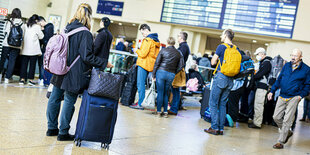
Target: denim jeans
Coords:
[[251, 104], [306, 109], [141, 78], [13, 54], [218, 98], [163, 82], [53, 109], [40, 65], [176, 100]]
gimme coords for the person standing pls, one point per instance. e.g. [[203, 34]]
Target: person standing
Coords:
[[48, 32], [31, 50], [11, 51], [168, 63], [229, 65], [147, 55], [294, 82], [262, 86]]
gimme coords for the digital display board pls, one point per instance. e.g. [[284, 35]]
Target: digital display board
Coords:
[[264, 17], [110, 7]]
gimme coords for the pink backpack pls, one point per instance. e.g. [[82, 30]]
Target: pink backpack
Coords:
[[57, 49], [192, 84]]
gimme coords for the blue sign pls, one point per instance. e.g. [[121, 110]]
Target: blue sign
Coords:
[[264, 17], [110, 7]]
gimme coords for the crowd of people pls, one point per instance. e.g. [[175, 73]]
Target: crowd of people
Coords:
[[166, 66]]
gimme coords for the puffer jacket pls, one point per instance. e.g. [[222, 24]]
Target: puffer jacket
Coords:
[[148, 52], [170, 60]]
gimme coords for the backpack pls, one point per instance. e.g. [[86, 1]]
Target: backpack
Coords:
[[15, 37], [228, 121], [232, 61], [57, 49], [277, 64], [246, 68], [192, 84]]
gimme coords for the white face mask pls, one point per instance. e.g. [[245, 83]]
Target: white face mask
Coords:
[[259, 58]]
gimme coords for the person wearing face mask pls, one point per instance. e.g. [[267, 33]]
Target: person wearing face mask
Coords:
[[262, 86], [294, 82]]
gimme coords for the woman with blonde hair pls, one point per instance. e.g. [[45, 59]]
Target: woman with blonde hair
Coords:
[[77, 79]]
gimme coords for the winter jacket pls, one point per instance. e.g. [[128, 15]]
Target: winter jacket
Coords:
[[262, 74], [195, 74], [7, 29], [148, 52], [48, 33], [120, 46], [293, 83], [102, 44], [31, 41], [183, 47], [204, 62], [170, 60], [77, 79]]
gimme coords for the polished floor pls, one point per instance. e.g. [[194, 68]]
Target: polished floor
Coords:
[[23, 126]]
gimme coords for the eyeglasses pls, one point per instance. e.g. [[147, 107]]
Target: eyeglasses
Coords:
[[295, 56]]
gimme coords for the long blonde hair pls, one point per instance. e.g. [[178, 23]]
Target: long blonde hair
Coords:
[[83, 15]]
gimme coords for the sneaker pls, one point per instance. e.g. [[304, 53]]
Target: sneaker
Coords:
[[41, 83], [6, 81], [66, 137], [136, 107], [21, 82], [52, 132], [165, 114], [278, 146], [211, 131], [30, 83], [252, 125]]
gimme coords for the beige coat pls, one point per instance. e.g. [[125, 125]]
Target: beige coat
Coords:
[[31, 41], [7, 29]]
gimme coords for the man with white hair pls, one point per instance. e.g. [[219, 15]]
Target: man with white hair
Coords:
[[262, 86], [294, 82]]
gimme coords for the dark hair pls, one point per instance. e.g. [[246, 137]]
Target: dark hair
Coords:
[[16, 13], [144, 26], [32, 20], [106, 22], [41, 18], [206, 56], [184, 35], [230, 34]]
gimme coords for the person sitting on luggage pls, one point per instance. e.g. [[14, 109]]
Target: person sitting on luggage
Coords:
[[193, 73], [168, 63], [262, 86], [78, 77], [205, 62], [294, 82]]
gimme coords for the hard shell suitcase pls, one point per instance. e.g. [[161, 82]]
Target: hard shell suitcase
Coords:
[[130, 88], [96, 121]]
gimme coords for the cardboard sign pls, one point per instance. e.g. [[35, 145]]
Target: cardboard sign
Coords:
[[3, 11]]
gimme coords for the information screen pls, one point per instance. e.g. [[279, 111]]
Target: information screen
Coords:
[[265, 17], [110, 7]]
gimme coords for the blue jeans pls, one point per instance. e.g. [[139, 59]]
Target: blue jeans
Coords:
[[141, 78], [306, 109], [176, 100], [163, 82], [53, 108], [218, 98]]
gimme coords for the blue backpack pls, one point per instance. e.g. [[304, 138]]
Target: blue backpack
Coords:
[[207, 117], [247, 67]]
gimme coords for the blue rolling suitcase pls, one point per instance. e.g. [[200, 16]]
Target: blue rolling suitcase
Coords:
[[96, 121]]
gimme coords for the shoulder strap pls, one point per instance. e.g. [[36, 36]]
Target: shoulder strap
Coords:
[[77, 30]]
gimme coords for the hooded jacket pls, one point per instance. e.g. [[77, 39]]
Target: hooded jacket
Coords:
[[263, 72], [77, 79], [148, 52]]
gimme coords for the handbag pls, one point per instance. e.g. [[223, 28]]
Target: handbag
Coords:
[[105, 84], [179, 79], [150, 97]]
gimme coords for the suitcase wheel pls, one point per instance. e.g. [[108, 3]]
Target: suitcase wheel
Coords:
[[78, 142], [105, 146]]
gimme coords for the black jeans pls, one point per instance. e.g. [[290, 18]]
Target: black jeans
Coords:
[[4, 56], [13, 54], [24, 74]]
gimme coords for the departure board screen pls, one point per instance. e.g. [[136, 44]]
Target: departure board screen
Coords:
[[264, 17]]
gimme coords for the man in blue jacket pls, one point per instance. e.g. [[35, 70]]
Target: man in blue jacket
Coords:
[[294, 82]]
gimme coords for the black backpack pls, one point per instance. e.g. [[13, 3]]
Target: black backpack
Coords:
[[15, 37]]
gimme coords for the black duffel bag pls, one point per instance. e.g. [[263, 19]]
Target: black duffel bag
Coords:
[[105, 84]]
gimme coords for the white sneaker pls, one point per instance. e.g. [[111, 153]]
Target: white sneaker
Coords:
[[6, 81], [41, 83]]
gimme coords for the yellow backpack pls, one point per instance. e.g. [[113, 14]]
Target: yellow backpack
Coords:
[[231, 62]]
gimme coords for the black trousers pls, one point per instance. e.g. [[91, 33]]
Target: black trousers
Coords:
[[4, 56], [233, 103], [40, 64], [24, 74]]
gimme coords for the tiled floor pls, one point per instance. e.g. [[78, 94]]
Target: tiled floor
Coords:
[[23, 126]]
